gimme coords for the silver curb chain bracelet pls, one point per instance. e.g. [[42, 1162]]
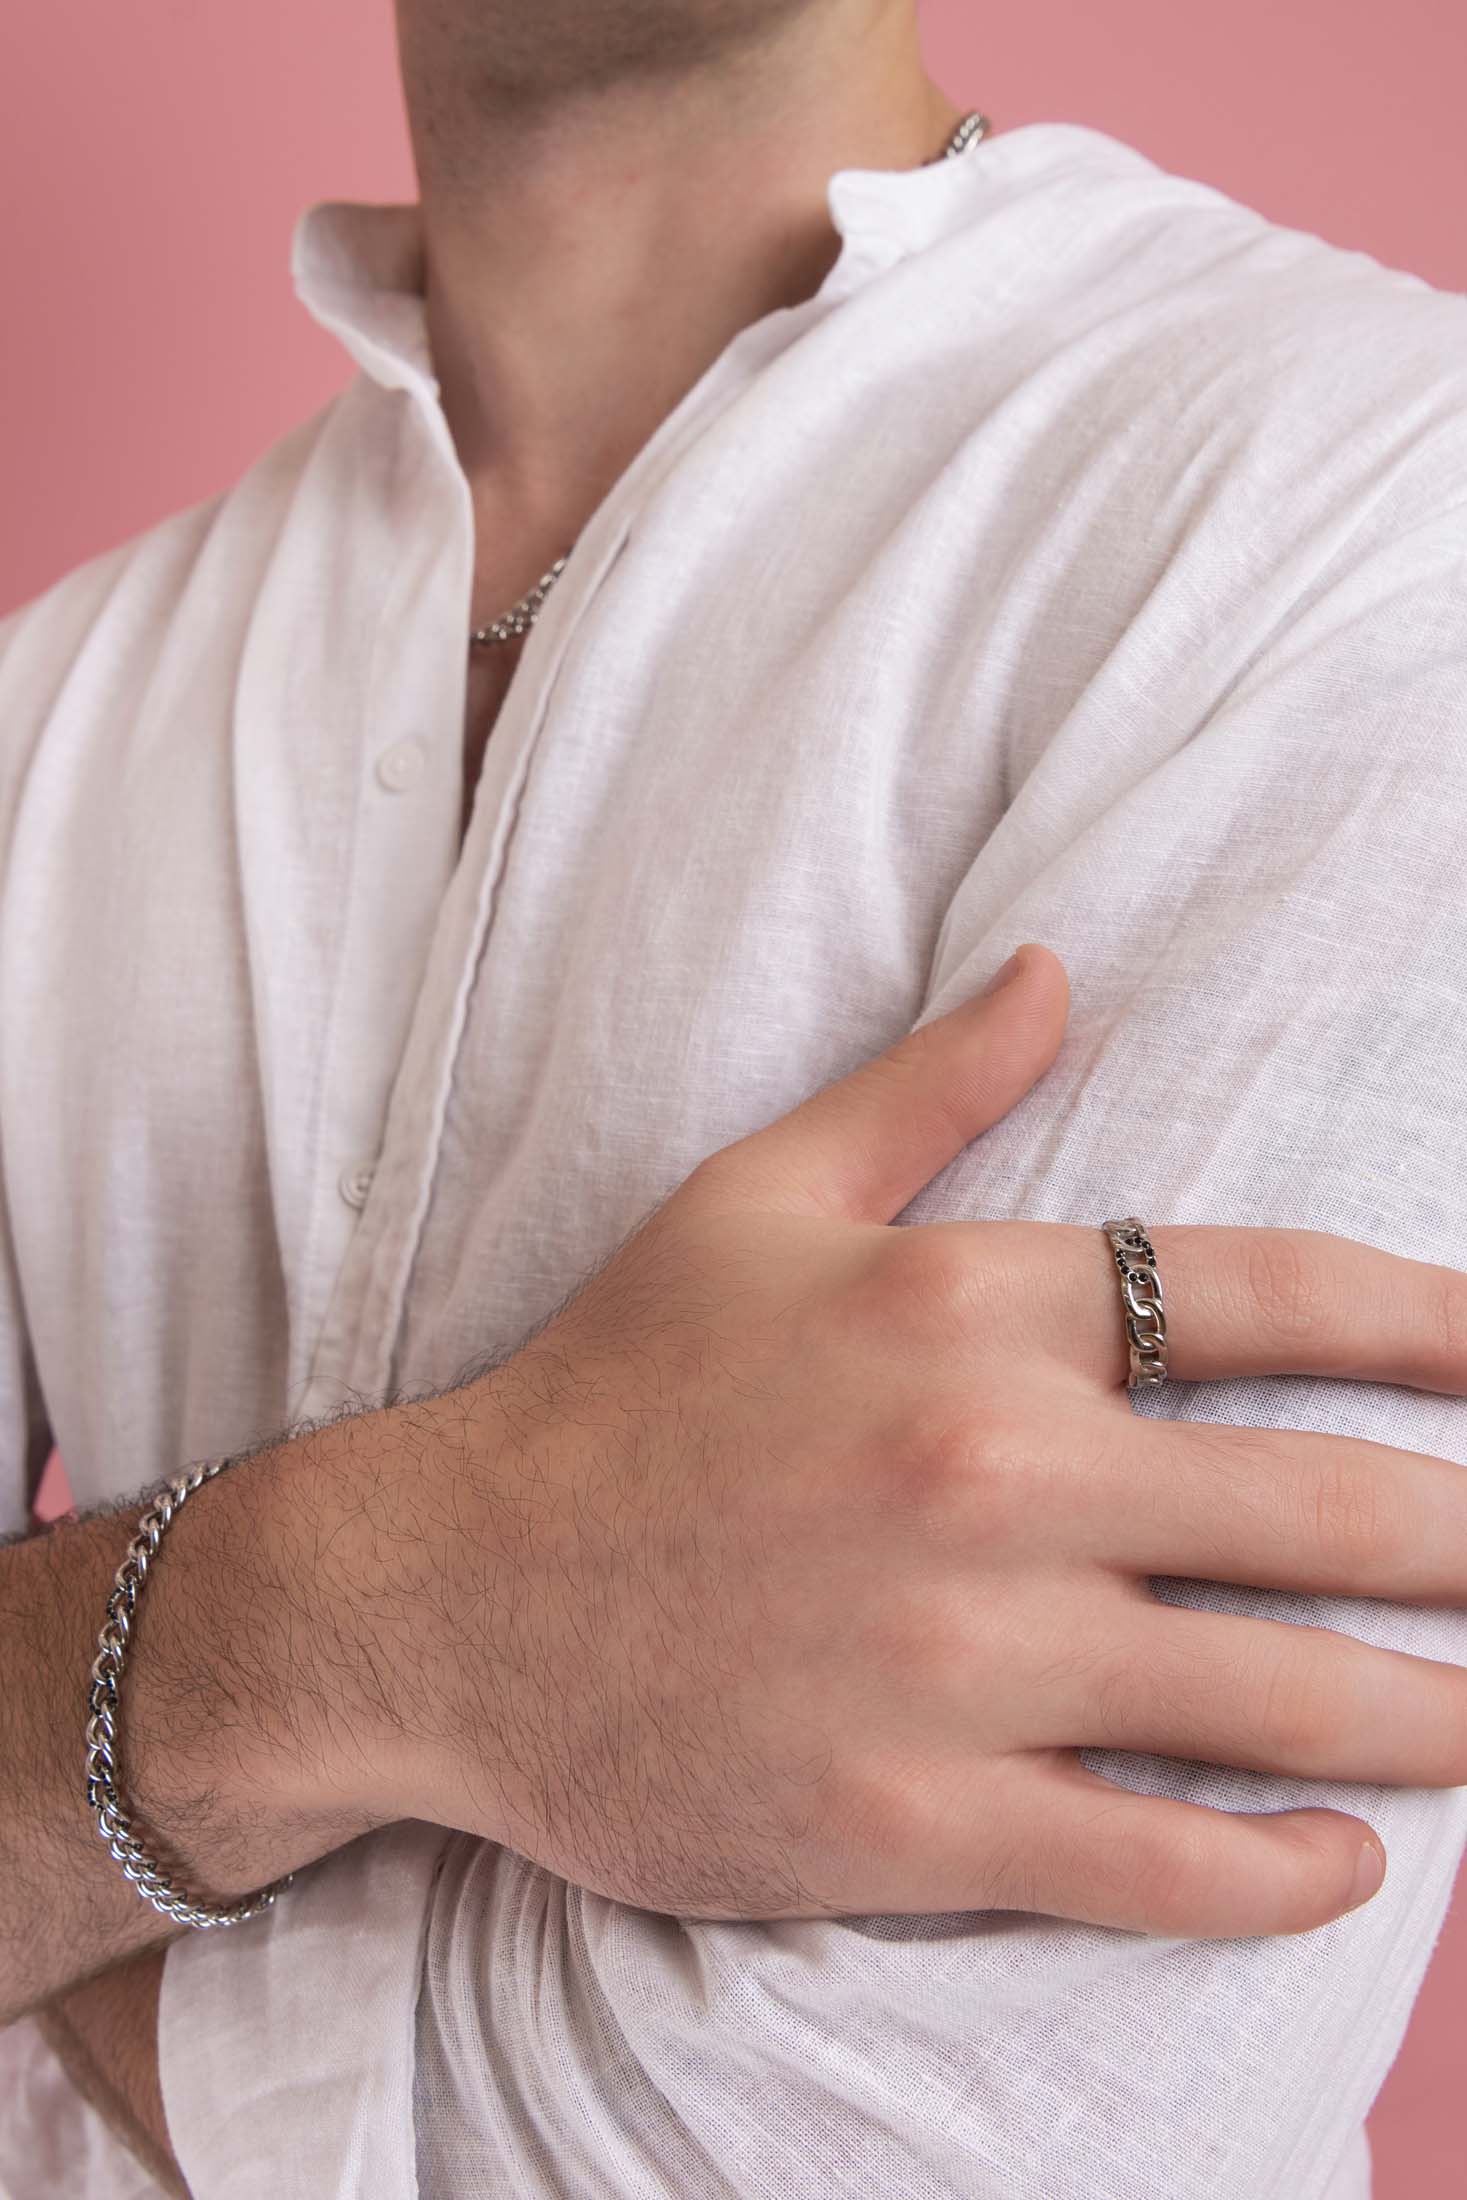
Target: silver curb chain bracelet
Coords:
[[106, 1792]]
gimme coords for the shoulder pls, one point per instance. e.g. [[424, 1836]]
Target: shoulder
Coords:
[[43, 639], [1198, 328], [1214, 473], [101, 624]]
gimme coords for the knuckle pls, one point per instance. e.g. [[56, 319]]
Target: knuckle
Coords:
[[1309, 1709], [1166, 1876], [982, 1287], [1238, 1460], [1447, 1314], [909, 1080], [930, 1277], [884, 1814], [921, 1063], [915, 1050], [1286, 1276], [734, 1175], [1454, 1730], [1355, 1520], [937, 1469], [957, 1469], [1437, 1716], [1134, 1869]]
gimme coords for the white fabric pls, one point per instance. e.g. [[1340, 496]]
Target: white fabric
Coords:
[[53, 2146], [1085, 563]]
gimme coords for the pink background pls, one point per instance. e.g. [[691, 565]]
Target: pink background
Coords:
[[153, 160]]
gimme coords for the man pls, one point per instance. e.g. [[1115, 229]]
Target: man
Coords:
[[1023, 545]]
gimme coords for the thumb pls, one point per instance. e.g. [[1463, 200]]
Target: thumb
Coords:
[[866, 1145]]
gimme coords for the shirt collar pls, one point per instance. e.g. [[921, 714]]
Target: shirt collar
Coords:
[[358, 269]]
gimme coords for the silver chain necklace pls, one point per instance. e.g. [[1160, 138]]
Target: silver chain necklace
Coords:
[[521, 616]]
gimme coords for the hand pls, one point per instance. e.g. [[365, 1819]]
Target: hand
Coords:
[[786, 1570]]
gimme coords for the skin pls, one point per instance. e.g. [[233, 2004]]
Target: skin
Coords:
[[573, 297], [106, 2035], [576, 162], [766, 1495], [781, 1479]]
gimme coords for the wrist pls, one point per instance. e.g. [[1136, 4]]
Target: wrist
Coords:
[[382, 1542], [239, 1715], [325, 1623], [424, 1539]]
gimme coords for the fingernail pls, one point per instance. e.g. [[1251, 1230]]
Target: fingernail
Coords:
[[1369, 1872], [1001, 978]]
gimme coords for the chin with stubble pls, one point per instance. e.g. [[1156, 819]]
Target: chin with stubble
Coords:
[[519, 54]]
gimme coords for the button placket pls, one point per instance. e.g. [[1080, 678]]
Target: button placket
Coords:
[[414, 544], [361, 1333]]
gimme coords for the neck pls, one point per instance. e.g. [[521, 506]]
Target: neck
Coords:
[[591, 252]]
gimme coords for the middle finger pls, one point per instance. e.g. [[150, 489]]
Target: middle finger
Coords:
[[1283, 1509], [1269, 1696]]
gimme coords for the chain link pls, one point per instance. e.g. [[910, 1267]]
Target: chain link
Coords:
[[521, 616], [1141, 1300], [105, 1792]]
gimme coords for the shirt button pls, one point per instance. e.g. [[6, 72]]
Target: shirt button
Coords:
[[355, 1183], [401, 766]]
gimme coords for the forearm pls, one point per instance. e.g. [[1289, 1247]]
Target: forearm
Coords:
[[249, 1691], [105, 2035]]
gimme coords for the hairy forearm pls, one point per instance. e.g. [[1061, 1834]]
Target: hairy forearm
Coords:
[[249, 1695], [65, 1909], [105, 2035]]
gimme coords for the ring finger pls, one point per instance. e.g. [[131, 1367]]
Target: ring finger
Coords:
[[1238, 1302]]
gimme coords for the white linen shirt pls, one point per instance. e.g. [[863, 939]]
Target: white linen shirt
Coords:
[[1085, 562]]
